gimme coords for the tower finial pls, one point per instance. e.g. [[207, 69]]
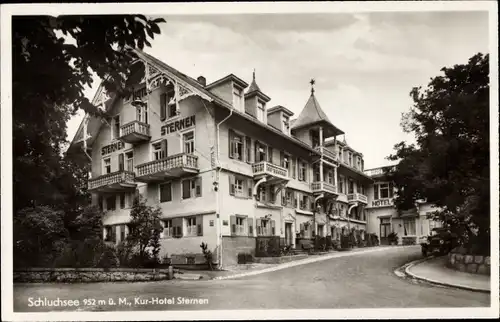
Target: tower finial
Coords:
[[254, 74], [312, 82]]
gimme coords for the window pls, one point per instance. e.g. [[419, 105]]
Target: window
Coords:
[[238, 102], [122, 200], [188, 142], [236, 146], [129, 156], [302, 171], [167, 229], [123, 234], [340, 153], [260, 152], [110, 233], [304, 202], [358, 165], [285, 160], [191, 188], [168, 108], [317, 175], [116, 127], [106, 165], [111, 203], [329, 177], [350, 158], [265, 227], [409, 227], [248, 147], [142, 114], [381, 191], [261, 193], [351, 186], [260, 112], [191, 226], [287, 198], [165, 192], [160, 150], [240, 225], [238, 187], [341, 184]]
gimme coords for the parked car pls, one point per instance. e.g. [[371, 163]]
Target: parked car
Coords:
[[440, 241]]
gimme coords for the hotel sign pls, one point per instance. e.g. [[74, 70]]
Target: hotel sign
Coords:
[[112, 147], [178, 125], [382, 202]]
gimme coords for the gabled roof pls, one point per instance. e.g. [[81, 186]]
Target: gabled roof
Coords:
[[232, 77], [254, 89], [279, 108]]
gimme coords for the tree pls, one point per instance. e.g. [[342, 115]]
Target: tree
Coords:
[[449, 164], [145, 229], [49, 77]]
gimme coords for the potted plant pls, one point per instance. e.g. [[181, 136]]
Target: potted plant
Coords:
[[393, 238]]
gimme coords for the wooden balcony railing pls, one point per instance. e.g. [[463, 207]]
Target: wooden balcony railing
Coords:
[[111, 179], [357, 197], [135, 127], [266, 168], [182, 160], [327, 153], [323, 186]]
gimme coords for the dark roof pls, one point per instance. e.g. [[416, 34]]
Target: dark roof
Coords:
[[254, 89], [312, 114], [279, 108], [232, 77]]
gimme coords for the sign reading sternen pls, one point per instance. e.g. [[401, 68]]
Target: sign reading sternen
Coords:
[[178, 125], [116, 146]]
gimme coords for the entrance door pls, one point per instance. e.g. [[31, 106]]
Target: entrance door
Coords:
[[385, 230], [288, 234]]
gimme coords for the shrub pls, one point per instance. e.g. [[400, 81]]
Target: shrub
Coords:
[[244, 258], [207, 254], [392, 237], [108, 258]]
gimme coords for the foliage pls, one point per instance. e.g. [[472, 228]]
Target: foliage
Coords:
[[449, 164], [39, 236], [392, 237], [50, 74], [409, 240], [268, 246], [208, 254], [145, 229]]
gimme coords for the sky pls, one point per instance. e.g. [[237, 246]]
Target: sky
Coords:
[[365, 65]]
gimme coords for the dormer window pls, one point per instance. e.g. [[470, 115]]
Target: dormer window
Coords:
[[238, 100], [260, 111]]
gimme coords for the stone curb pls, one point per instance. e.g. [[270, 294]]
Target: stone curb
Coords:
[[188, 277], [419, 261], [303, 262]]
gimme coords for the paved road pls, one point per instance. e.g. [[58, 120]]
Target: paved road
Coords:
[[361, 281]]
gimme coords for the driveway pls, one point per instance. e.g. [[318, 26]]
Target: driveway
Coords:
[[360, 281]]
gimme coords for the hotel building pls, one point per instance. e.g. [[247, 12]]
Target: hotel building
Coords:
[[223, 164]]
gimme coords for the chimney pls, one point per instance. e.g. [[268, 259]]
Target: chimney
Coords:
[[202, 80]]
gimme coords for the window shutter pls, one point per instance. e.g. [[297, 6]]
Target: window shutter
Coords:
[[294, 168], [270, 154], [391, 189], [136, 195], [273, 227], [302, 229], [259, 227], [164, 148], [121, 162], [231, 143], [375, 191], [250, 227], [186, 189], [250, 188], [198, 187], [283, 197], [200, 225], [256, 151], [231, 184], [163, 106], [244, 149], [248, 150], [282, 158], [233, 225]]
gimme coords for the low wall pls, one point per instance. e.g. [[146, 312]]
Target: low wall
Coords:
[[90, 275], [234, 245], [474, 264]]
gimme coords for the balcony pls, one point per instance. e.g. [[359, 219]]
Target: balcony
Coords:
[[323, 187], [113, 182], [327, 154], [135, 132], [174, 166], [357, 197], [271, 171]]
